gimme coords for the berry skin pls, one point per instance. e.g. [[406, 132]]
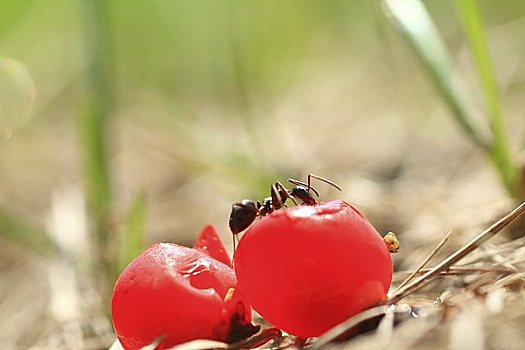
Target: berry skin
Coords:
[[180, 294], [307, 268], [210, 243]]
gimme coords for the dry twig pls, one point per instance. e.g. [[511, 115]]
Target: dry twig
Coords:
[[458, 255], [425, 261], [344, 326]]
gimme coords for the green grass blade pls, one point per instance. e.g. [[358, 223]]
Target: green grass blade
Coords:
[[132, 239], [95, 122], [412, 19], [500, 150]]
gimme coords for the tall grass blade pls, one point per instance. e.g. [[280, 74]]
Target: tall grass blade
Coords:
[[413, 20], [94, 123], [500, 151]]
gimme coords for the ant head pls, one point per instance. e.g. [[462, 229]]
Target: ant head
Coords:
[[242, 215], [303, 194]]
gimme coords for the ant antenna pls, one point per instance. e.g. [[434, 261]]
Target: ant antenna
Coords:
[[304, 184], [310, 187]]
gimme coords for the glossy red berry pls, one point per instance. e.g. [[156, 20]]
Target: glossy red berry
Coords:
[[180, 294], [307, 268]]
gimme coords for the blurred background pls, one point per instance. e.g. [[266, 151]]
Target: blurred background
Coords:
[[126, 123]]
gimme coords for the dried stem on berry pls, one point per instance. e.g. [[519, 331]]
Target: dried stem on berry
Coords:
[[392, 242]]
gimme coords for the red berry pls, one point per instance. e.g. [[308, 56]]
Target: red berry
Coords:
[[177, 293], [210, 243], [307, 268]]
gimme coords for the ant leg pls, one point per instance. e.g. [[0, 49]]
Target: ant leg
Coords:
[[324, 180], [284, 190], [277, 203], [307, 185]]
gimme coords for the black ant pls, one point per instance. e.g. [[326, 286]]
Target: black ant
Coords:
[[246, 211]]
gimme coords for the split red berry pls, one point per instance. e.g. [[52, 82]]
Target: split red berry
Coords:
[[178, 294], [210, 243], [307, 268]]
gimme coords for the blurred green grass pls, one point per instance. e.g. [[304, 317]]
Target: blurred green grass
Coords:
[[90, 58], [417, 25]]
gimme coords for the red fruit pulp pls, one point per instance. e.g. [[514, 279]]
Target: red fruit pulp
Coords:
[[307, 268], [177, 293]]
